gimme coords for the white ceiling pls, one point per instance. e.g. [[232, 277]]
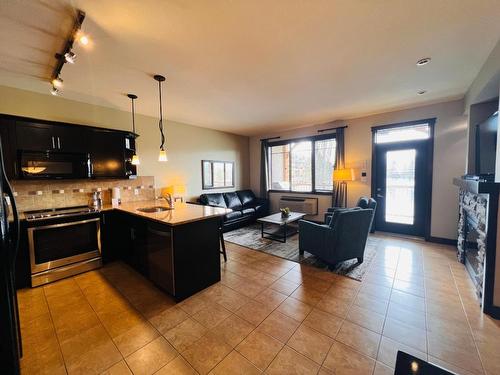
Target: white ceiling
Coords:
[[250, 66]]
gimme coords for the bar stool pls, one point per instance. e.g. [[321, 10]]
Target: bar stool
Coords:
[[222, 244]]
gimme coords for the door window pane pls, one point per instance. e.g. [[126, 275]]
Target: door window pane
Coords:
[[280, 167], [403, 133], [400, 187], [301, 153], [324, 161]]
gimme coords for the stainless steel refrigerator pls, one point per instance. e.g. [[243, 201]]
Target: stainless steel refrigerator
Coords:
[[10, 337]]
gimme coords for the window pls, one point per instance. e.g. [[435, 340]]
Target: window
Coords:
[[217, 174], [302, 165], [403, 133], [324, 156]]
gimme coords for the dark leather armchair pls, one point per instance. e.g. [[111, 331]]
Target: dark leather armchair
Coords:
[[363, 203], [342, 239]]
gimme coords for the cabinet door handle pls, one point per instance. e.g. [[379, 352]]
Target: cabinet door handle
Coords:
[[53, 143], [58, 143]]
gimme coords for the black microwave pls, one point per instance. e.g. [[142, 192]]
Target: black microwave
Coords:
[[54, 165]]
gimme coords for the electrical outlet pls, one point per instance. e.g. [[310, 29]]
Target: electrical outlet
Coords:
[[136, 191]]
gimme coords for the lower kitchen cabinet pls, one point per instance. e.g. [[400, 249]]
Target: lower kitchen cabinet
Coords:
[[179, 259]]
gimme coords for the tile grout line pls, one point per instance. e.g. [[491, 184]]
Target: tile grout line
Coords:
[[468, 322], [139, 313], [55, 331], [103, 326]]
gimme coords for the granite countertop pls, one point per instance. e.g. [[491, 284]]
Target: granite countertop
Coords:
[[181, 214]]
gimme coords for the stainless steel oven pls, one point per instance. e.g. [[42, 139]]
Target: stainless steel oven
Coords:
[[63, 245]]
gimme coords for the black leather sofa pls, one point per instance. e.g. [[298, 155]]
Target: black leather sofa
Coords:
[[245, 205]]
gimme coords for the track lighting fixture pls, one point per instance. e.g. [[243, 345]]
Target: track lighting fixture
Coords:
[[135, 158], [162, 156], [67, 55]]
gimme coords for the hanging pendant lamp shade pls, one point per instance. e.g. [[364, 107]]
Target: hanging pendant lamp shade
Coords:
[[162, 156], [135, 158]]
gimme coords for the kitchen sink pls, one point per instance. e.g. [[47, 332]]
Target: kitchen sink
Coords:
[[154, 209]]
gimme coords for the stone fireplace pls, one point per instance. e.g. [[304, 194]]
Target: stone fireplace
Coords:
[[471, 244], [478, 238]]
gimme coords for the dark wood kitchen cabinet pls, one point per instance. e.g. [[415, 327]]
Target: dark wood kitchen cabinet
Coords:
[[107, 153], [110, 150], [8, 147], [170, 256], [32, 136]]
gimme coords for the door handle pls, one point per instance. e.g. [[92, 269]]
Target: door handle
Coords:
[[58, 143], [53, 142]]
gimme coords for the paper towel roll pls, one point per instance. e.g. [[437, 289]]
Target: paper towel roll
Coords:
[[116, 193]]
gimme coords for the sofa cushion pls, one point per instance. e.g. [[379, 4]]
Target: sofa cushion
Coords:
[[246, 197], [232, 201], [248, 211], [233, 215], [213, 199]]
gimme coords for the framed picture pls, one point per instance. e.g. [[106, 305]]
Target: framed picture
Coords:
[[217, 174]]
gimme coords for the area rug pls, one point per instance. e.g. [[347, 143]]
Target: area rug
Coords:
[[250, 237]]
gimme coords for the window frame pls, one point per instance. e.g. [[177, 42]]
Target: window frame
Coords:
[[204, 185], [313, 139]]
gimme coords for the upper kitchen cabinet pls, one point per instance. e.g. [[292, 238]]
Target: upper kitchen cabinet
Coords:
[[33, 136], [7, 134], [108, 154], [64, 150], [71, 138]]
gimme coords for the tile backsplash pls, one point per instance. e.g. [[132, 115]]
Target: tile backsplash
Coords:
[[37, 195]]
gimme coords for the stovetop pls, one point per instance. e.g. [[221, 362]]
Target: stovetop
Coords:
[[58, 212]]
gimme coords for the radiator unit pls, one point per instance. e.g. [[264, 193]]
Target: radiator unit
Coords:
[[308, 206]]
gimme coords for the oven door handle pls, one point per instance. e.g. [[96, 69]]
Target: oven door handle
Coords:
[[64, 224]]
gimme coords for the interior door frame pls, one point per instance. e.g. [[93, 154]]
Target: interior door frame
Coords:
[[428, 167]]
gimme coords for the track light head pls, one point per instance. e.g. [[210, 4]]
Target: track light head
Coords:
[[55, 91], [57, 82], [83, 39], [70, 57]]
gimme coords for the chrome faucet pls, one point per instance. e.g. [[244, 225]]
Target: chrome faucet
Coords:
[[168, 198]]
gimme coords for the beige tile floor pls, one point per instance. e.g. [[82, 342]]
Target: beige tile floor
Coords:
[[266, 315]]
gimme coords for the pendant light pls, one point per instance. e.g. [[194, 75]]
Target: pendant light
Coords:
[[135, 158], [162, 156]]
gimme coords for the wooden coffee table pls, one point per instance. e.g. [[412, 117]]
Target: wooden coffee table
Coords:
[[283, 230]]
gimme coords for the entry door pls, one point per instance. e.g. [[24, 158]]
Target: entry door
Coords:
[[402, 187]]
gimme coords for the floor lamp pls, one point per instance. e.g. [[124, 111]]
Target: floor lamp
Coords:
[[342, 176]]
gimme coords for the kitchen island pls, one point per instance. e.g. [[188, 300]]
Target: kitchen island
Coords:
[[178, 249]]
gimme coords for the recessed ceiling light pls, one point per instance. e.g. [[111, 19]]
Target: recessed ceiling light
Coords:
[[423, 61], [421, 92]]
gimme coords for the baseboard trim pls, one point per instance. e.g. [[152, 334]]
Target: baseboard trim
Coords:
[[493, 311], [442, 241]]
